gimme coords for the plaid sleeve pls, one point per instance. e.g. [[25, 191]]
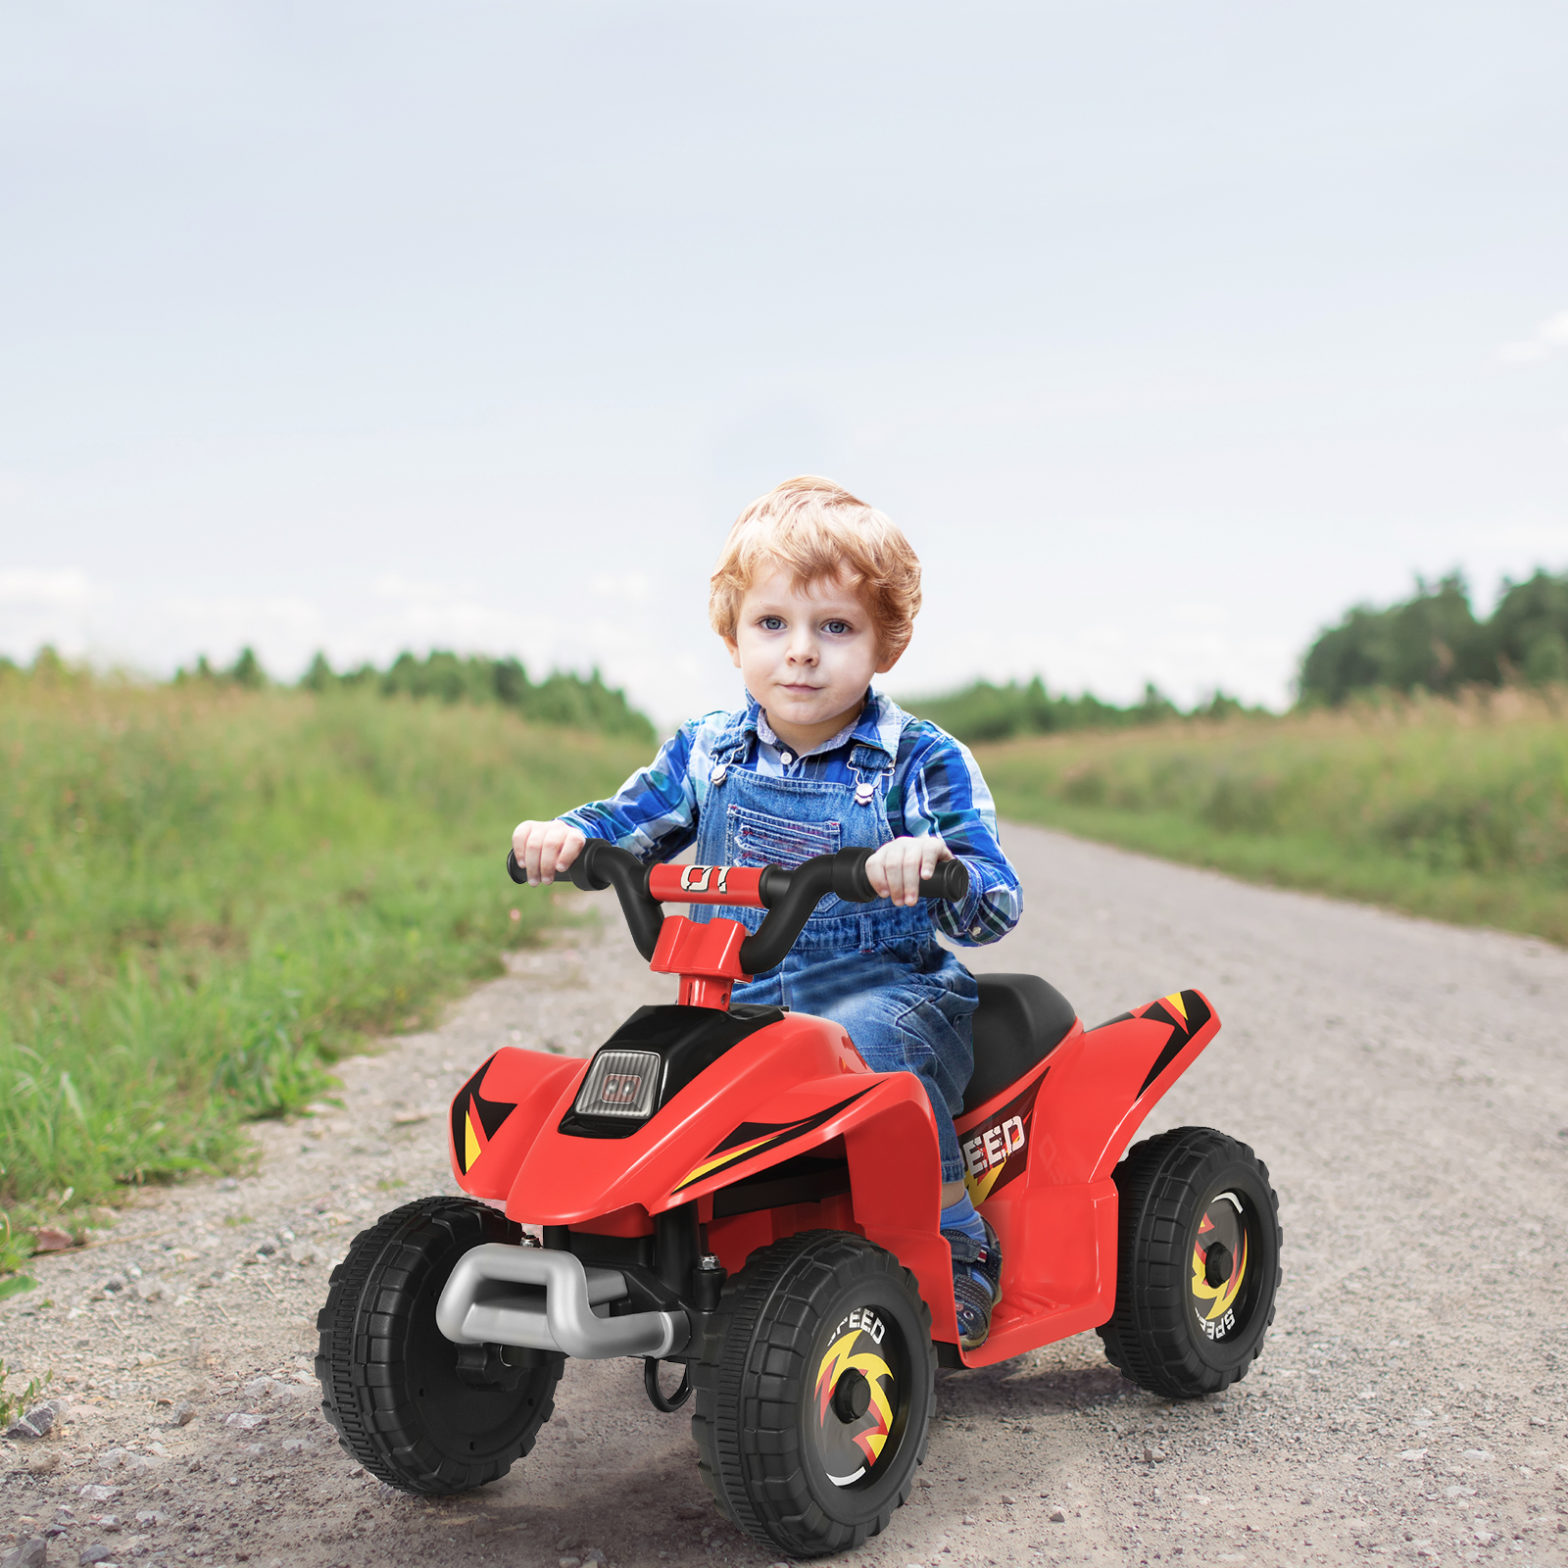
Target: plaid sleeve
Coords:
[[943, 792], [654, 813]]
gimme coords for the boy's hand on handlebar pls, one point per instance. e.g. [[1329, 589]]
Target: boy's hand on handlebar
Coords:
[[896, 868], [545, 849]]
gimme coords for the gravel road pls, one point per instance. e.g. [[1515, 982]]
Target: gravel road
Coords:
[[1406, 1083]]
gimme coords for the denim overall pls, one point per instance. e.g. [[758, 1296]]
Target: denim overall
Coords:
[[876, 968]]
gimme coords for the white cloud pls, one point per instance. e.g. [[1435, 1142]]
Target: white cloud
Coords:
[[1550, 335], [241, 616], [1197, 613], [630, 588], [61, 608], [34, 590], [1546, 537]]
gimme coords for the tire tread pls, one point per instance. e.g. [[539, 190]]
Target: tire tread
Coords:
[[364, 1396], [1147, 1337], [746, 1452]]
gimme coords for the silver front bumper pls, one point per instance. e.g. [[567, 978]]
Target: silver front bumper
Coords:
[[544, 1299]]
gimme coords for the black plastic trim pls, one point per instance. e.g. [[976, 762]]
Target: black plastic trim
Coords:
[[805, 1179], [791, 897], [788, 896], [600, 865], [688, 1040], [1020, 1021]]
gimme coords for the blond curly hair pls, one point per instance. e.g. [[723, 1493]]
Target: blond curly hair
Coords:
[[815, 529]]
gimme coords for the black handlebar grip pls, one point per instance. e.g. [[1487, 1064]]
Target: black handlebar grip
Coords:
[[849, 876], [576, 873], [950, 880]]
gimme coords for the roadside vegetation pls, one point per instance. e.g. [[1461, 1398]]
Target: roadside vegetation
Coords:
[[1455, 809], [1423, 766], [207, 892]]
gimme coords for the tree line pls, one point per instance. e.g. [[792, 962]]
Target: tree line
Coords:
[[984, 711], [1430, 642], [562, 697], [1434, 642]]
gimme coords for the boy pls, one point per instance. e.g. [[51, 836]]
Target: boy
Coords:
[[814, 593]]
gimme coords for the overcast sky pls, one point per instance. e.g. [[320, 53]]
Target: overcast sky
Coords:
[[1166, 333]]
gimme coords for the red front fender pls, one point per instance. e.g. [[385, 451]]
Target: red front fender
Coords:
[[497, 1114]]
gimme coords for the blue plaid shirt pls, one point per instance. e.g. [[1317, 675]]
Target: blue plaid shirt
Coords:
[[936, 788]]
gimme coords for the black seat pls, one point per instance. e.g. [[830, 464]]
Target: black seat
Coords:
[[1021, 1020]]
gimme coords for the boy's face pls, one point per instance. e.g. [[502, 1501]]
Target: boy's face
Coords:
[[807, 655]]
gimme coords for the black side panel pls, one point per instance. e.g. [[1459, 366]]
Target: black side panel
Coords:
[[807, 1178], [687, 1039], [1021, 1020]]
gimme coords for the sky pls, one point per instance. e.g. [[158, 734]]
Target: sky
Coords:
[[1165, 333]]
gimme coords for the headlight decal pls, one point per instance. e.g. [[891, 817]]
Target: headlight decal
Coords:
[[621, 1084]]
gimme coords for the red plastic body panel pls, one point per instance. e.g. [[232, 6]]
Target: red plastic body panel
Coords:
[[497, 1114], [1039, 1156], [706, 955]]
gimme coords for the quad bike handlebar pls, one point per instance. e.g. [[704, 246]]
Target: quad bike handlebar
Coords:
[[788, 896]]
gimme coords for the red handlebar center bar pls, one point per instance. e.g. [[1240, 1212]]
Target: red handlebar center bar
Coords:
[[707, 885]]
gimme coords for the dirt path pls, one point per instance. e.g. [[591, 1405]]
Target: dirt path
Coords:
[[1407, 1084]]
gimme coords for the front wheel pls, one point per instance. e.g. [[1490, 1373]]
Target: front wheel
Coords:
[[814, 1392], [1197, 1262], [416, 1410]]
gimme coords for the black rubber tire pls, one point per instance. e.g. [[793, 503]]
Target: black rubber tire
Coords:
[[1159, 1334], [769, 1429], [390, 1379]]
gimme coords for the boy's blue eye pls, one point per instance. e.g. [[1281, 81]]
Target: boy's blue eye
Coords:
[[837, 628], [771, 623]]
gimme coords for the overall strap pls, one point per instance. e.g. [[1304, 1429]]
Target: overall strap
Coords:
[[873, 770], [729, 751]]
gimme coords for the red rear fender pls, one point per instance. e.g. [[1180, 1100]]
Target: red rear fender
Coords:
[[1099, 1085]]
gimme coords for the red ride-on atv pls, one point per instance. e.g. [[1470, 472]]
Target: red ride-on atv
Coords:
[[732, 1189]]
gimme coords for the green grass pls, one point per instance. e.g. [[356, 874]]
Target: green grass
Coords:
[[207, 895], [1454, 811]]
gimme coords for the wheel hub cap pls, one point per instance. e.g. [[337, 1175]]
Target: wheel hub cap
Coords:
[[1219, 1265], [856, 1392]]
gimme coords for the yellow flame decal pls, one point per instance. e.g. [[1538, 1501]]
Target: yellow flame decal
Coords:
[[470, 1143], [729, 1157], [1176, 1005], [873, 1368], [1224, 1294], [980, 1186]]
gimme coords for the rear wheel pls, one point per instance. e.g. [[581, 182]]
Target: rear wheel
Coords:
[[814, 1392], [416, 1410], [1197, 1262]]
